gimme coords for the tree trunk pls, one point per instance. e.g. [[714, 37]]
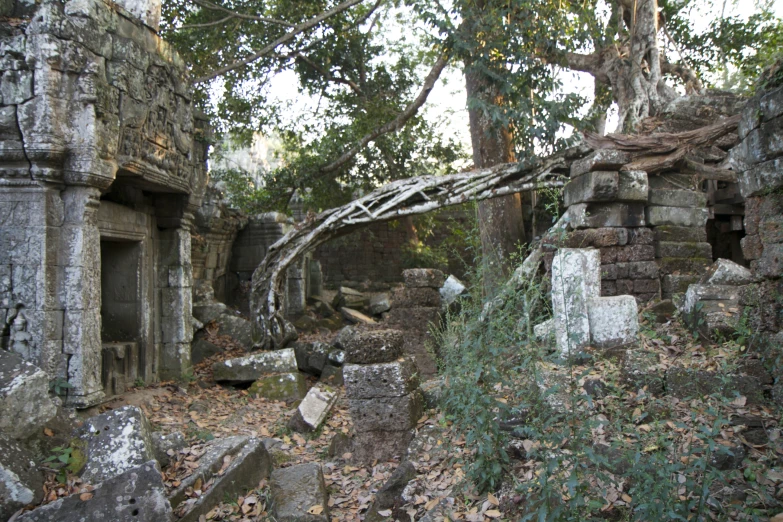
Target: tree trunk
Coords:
[[501, 223]]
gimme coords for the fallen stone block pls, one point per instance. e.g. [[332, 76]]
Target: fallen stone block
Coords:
[[616, 214], [423, 278], [24, 397], [237, 328], [355, 316], [21, 483], [432, 392], [228, 469], [374, 346], [313, 410], [336, 357], [166, 446], [575, 280], [332, 376], [350, 298], [379, 303], [116, 441], [368, 381], [676, 216], [135, 495], [298, 494], [701, 293], [371, 446], [290, 386], [386, 413], [202, 349], [685, 383], [340, 445], [602, 159], [252, 367], [677, 198], [452, 290], [614, 321], [311, 357], [672, 284], [544, 330], [208, 312], [343, 336], [389, 497]]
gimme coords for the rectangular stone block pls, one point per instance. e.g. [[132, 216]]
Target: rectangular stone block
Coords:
[[640, 236], [677, 284], [386, 413], [632, 253], [771, 230], [762, 179], [423, 277], [677, 249], [419, 319], [373, 346], [671, 181], [415, 297], [613, 321], [762, 144], [608, 273], [680, 234], [646, 286], [602, 159], [684, 265], [596, 237], [752, 247], [677, 198], [770, 264], [638, 270], [633, 186], [597, 215], [370, 446], [591, 186], [677, 216], [576, 278], [370, 381]]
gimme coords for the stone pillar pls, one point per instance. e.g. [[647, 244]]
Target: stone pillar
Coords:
[[383, 393], [175, 281], [80, 248]]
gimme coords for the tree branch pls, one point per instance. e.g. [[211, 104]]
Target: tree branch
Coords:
[[214, 7], [327, 75], [686, 74], [397, 123], [304, 26], [206, 24]]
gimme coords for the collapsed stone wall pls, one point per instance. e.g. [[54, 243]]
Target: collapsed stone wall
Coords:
[[758, 158], [95, 109]]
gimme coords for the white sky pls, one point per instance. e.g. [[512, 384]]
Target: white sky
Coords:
[[447, 100]]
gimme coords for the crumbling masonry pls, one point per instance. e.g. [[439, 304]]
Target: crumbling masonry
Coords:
[[102, 168]]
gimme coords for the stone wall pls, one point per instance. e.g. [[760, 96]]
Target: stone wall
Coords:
[[758, 157], [95, 107]]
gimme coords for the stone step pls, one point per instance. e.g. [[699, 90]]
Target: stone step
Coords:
[[229, 467]]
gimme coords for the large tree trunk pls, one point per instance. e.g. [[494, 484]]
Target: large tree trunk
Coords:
[[501, 222]]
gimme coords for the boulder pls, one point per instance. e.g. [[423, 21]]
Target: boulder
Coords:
[[202, 349], [24, 397], [237, 328], [116, 441], [298, 494], [311, 357], [234, 465], [313, 410], [389, 497], [369, 381], [423, 278], [252, 367], [134, 495], [727, 272], [343, 337], [355, 316], [374, 346], [21, 483], [379, 303], [451, 290], [166, 446], [206, 312], [290, 386]]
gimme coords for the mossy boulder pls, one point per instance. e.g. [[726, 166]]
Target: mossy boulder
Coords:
[[289, 386]]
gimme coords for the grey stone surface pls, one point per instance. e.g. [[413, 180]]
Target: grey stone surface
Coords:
[[332, 376], [379, 303], [689, 250], [343, 337], [676, 216], [677, 198], [416, 297], [386, 413], [373, 346], [296, 490], [452, 290], [423, 278], [135, 495], [368, 381], [613, 321], [680, 234], [371, 446], [208, 312], [350, 298], [641, 369], [248, 463], [615, 214], [633, 186], [21, 483], [602, 159], [311, 357], [290, 386], [389, 497], [591, 186], [727, 272], [313, 409], [202, 349], [166, 446], [237, 328], [575, 280], [24, 397], [117, 441], [251, 367], [702, 293]]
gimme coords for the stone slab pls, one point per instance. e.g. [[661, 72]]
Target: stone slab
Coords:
[[25, 405], [597, 215], [368, 381], [602, 159], [290, 386], [355, 316], [296, 490], [116, 441], [313, 410], [614, 321], [727, 272], [676, 216], [373, 346], [311, 357], [677, 249], [575, 280], [135, 495], [677, 198], [386, 413], [423, 278], [701, 293], [252, 367], [680, 234]]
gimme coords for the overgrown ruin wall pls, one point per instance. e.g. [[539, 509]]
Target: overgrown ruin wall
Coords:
[[98, 143]]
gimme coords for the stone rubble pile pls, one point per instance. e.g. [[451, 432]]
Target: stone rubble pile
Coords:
[[416, 308], [581, 316], [382, 389]]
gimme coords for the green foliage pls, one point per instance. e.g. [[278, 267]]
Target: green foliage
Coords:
[[67, 459], [59, 386]]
